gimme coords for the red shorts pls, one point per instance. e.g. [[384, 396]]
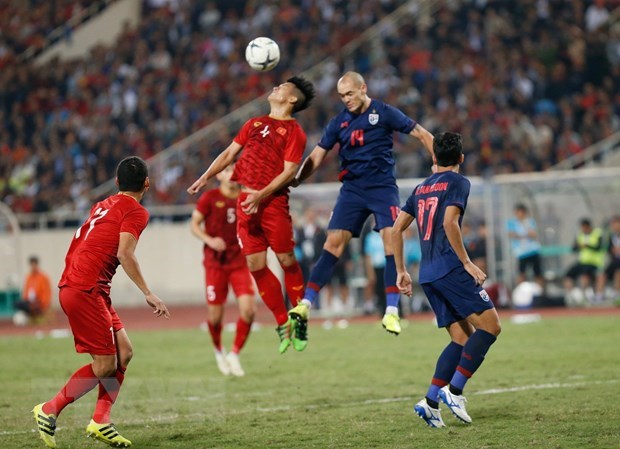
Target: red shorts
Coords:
[[93, 320], [218, 279], [271, 226]]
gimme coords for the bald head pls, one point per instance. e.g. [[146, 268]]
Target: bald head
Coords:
[[352, 90], [352, 77]]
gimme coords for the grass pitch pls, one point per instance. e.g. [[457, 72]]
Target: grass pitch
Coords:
[[550, 384]]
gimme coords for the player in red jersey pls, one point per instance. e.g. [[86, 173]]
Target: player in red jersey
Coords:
[[214, 222], [107, 238], [273, 147]]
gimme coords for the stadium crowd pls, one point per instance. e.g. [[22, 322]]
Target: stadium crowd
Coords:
[[529, 83]]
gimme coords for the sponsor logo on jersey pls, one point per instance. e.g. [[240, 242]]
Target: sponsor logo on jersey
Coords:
[[281, 131], [220, 204], [344, 124], [373, 119], [257, 124]]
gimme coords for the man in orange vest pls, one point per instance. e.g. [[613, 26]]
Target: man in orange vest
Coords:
[[37, 291]]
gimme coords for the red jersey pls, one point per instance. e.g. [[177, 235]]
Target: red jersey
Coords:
[[220, 214], [267, 143], [91, 260]]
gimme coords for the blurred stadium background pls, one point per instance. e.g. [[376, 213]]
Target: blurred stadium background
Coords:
[[533, 85]]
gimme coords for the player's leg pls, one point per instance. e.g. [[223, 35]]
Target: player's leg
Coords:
[[216, 281], [242, 285], [384, 203], [428, 407], [467, 299], [391, 318], [111, 373], [92, 334], [270, 291], [348, 217]]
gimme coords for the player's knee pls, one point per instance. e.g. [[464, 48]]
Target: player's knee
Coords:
[[247, 315], [104, 368], [286, 259], [125, 358]]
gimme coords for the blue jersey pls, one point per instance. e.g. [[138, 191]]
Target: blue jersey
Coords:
[[428, 204], [366, 142]]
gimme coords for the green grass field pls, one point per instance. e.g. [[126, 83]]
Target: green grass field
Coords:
[[551, 384]]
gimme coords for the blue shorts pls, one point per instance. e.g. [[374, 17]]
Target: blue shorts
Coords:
[[355, 204], [456, 296]]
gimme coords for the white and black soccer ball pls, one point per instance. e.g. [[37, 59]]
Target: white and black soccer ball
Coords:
[[262, 54]]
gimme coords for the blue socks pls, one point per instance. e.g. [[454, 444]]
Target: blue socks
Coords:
[[392, 295], [444, 370], [472, 357], [320, 275]]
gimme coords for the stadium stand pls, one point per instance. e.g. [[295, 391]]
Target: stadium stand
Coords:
[[525, 96]]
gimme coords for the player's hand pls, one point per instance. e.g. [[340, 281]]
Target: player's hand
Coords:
[[196, 186], [216, 244], [475, 272], [250, 204], [404, 283], [160, 308]]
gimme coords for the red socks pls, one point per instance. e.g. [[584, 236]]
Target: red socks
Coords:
[[80, 383], [243, 331], [108, 392], [294, 283], [270, 291], [216, 335]]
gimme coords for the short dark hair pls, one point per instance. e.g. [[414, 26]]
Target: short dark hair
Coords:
[[306, 89], [33, 259], [585, 222], [521, 207], [131, 174], [448, 148]]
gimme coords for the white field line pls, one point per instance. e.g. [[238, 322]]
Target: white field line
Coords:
[[173, 417]]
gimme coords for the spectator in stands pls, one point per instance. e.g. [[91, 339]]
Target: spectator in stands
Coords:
[[37, 292], [588, 269], [523, 235]]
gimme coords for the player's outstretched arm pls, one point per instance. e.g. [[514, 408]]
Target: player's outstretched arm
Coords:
[[195, 225], [455, 237], [309, 165], [403, 279], [223, 160], [424, 136], [126, 256]]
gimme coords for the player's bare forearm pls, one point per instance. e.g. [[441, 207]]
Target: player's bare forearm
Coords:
[[223, 160], [424, 136], [280, 181], [309, 165], [455, 237], [403, 221]]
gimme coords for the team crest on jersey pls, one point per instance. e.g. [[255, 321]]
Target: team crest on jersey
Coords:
[[484, 295], [281, 131], [344, 124], [373, 118], [257, 124], [220, 204]]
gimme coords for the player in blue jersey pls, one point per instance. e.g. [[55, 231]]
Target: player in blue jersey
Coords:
[[364, 131], [451, 281]]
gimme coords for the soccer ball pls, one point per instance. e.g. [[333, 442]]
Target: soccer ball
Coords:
[[262, 54], [20, 318]]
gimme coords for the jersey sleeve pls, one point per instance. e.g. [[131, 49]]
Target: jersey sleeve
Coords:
[[295, 146], [135, 221], [458, 193], [410, 206], [398, 121], [204, 204], [330, 135], [242, 137]]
